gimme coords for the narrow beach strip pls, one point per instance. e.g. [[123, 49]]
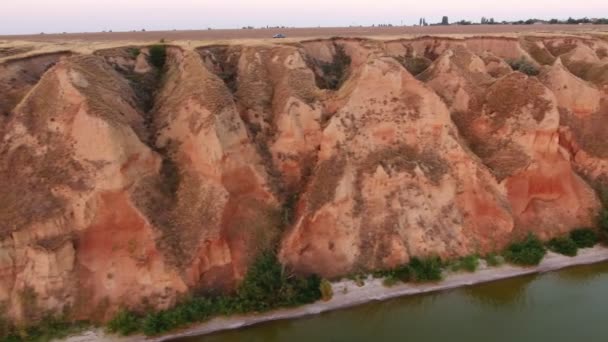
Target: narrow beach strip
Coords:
[[374, 290]]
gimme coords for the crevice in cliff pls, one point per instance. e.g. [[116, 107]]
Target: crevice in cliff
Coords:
[[142, 67], [222, 60], [331, 74], [415, 65]]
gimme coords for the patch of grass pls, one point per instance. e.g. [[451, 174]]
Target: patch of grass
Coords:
[[584, 237], [390, 281], [124, 323], [48, 329], [563, 245], [158, 56], [494, 259], [528, 252], [134, 52], [468, 263], [524, 66]]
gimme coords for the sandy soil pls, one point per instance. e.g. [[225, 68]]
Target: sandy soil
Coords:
[[373, 290], [323, 32]]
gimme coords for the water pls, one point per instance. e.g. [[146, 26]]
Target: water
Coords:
[[569, 305]]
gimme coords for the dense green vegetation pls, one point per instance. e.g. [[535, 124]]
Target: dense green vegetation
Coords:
[[584, 237], [158, 55], [418, 270], [267, 286], [335, 72], [563, 245], [124, 323], [494, 259], [47, 329], [422, 270], [603, 221], [528, 252], [468, 263]]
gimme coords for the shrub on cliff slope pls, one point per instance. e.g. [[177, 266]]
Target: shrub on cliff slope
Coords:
[[48, 329], [563, 245], [526, 253], [603, 221], [266, 286], [584, 237], [467, 263], [158, 55], [422, 270], [124, 323], [336, 71], [524, 66], [494, 259]]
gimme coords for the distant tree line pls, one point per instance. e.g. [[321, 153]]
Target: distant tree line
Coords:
[[491, 21]]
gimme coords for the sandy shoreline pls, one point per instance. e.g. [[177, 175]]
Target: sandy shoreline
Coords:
[[373, 290]]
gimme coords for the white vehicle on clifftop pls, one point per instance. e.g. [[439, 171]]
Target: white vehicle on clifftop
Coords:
[[279, 35]]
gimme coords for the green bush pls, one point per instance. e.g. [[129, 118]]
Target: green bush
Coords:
[[603, 221], [584, 237], [134, 52], [526, 253], [563, 245], [423, 270], [390, 281], [336, 71], [124, 323], [158, 55], [468, 263], [494, 259], [524, 66], [48, 329], [266, 286]]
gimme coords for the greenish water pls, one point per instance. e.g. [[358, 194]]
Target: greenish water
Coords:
[[569, 305]]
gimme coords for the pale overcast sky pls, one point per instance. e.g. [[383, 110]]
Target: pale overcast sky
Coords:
[[34, 16]]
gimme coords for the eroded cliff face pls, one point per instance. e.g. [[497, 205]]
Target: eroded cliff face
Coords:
[[129, 184]]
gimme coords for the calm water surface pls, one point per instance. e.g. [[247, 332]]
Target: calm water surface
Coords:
[[569, 305]]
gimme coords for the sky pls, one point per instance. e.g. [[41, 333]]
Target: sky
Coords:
[[52, 16]]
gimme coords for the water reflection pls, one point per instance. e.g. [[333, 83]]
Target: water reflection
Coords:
[[503, 293], [583, 274]]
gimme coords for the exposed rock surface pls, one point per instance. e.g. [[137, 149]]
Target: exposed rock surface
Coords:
[[128, 185]]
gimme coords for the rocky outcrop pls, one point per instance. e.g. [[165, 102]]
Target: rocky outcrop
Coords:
[[393, 181], [126, 184], [18, 76]]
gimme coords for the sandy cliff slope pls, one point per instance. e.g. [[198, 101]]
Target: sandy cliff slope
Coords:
[[128, 183]]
